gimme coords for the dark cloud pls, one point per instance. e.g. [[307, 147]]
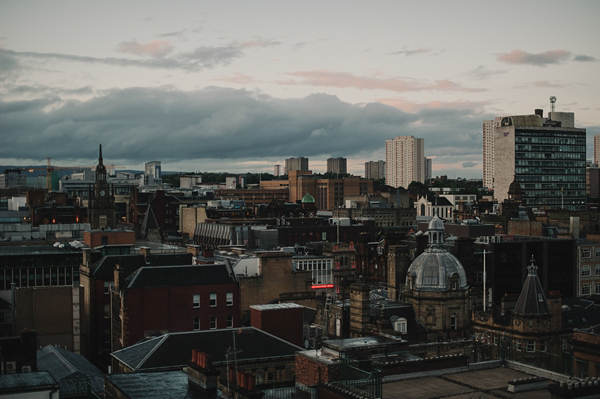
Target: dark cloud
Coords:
[[539, 59], [9, 66], [482, 72], [200, 58], [585, 58], [408, 53], [135, 125], [468, 164]]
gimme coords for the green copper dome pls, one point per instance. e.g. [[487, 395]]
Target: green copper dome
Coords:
[[308, 198]]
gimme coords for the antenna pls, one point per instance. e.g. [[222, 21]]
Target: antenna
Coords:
[[552, 102]]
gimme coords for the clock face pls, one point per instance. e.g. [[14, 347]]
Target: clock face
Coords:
[[102, 193]]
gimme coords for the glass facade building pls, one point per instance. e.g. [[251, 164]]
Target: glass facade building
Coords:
[[546, 157]]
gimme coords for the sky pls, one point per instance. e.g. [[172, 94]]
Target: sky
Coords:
[[240, 86]]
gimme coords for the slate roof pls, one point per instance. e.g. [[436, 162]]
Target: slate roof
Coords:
[[170, 259], [70, 370], [26, 381], [104, 269], [156, 385], [532, 300], [174, 350], [184, 275]]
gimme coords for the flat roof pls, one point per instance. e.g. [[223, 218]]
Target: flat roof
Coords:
[[276, 306], [470, 384]]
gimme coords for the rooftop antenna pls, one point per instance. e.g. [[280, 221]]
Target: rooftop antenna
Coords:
[[552, 102]]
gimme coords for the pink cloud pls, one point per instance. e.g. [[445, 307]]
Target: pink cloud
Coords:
[[540, 59], [155, 48], [347, 80]]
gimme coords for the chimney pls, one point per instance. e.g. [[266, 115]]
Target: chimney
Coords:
[[145, 251], [118, 276], [539, 112], [201, 372], [193, 249]]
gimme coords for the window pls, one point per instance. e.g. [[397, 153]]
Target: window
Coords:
[[229, 299], [543, 346], [270, 376], [586, 253], [597, 288], [585, 289], [106, 335], [213, 322], [597, 270], [564, 344], [586, 271], [213, 300], [196, 323], [229, 321], [598, 252], [196, 301], [106, 287], [518, 344], [106, 310], [453, 322], [530, 346]]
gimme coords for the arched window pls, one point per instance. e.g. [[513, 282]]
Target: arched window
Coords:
[[270, 376], [259, 378], [422, 209]]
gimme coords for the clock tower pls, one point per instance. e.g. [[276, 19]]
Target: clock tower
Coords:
[[101, 204]]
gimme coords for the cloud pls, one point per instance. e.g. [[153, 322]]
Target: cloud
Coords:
[[546, 83], [348, 80], [469, 164], [9, 66], [259, 42], [155, 48], [238, 77], [482, 72], [408, 53], [414, 106], [541, 59], [585, 58], [201, 58], [226, 126]]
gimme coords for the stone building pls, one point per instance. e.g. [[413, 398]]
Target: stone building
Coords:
[[101, 205], [436, 287]]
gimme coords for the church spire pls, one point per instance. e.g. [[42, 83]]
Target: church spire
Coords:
[[532, 300], [100, 155]]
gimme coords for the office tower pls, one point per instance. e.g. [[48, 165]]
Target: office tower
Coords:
[[488, 152], [277, 170], [153, 169], [299, 163], [404, 161], [375, 170], [336, 165], [546, 156], [597, 149], [428, 169]]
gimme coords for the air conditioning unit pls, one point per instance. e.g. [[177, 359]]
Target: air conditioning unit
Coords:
[[26, 369]]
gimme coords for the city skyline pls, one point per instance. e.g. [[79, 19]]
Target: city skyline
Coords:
[[241, 87]]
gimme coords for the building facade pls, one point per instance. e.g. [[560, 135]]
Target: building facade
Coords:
[[546, 156], [375, 170], [337, 165], [597, 149], [299, 163], [405, 161], [488, 152]]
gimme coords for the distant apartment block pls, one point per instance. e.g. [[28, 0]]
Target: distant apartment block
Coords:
[[152, 173], [428, 169], [488, 151], [299, 163], [337, 165], [277, 170], [375, 170], [405, 161], [597, 149], [12, 178]]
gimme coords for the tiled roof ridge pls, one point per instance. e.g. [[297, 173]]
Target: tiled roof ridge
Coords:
[[151, 352]]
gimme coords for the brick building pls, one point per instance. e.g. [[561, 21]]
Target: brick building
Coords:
[[156, 300]]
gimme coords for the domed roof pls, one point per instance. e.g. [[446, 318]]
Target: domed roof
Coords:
[[515, 188], [436, 224], [434, 269], [308, 198]]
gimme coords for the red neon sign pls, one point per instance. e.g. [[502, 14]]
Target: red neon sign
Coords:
[[321, 286]]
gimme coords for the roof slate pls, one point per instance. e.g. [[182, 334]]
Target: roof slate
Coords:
[[532, 299], [185, 275], [175, 349]]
